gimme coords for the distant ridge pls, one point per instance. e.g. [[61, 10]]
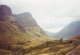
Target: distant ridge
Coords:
[[72, 29]]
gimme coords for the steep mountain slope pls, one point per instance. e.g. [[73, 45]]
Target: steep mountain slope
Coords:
[[72, 29], [19, 28], [30, 26], [9, 30], [26, 19], [19, 33]]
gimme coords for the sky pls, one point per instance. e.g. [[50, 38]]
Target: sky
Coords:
[[51, 15]]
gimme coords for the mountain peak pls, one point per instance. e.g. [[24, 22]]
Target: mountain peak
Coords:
[[26, 19], [5, 11]]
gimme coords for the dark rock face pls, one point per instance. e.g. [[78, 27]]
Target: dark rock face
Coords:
[[5, 11]]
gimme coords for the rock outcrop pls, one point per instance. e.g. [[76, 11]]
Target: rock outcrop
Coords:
[[5, 11]]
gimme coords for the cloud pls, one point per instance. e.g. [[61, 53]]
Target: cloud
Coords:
[[56, 8], [50, 14]]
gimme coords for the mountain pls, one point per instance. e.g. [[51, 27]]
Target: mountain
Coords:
[[30, 26], [18, 29], [5, 11], [10, 33], [26, 20], [18, 32], [72, 29]]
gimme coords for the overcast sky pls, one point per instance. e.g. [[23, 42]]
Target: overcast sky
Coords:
[[51, 15]]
